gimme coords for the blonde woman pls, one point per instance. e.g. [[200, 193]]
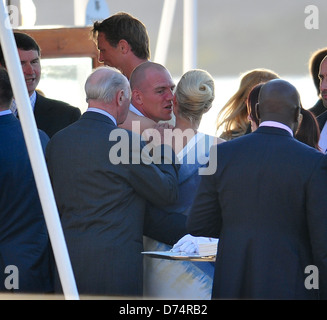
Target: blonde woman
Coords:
[[232, 119], [193, 97]]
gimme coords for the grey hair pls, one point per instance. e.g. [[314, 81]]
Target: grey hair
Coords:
[[103, 84]]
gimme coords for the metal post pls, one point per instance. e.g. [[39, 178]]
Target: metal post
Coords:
[[166, 23], [190, 35]]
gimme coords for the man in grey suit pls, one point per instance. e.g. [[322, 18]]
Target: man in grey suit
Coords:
[[267, 205], [102, 200]]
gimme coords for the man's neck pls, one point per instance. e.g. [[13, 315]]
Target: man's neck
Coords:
[[134, 62]]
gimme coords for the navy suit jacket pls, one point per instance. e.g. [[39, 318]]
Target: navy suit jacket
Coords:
[[54, 115], [322, 118], [102, 204], [267, 204], [318, 108], [24, 240]]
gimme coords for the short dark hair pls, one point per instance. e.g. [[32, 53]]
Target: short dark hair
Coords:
[[23, 42], [124, 26], [6, 94], [314, 66]]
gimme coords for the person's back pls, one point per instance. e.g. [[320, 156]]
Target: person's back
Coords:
[[24, 241], [276, 228]]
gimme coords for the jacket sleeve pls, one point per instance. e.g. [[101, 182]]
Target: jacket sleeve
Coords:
[[154, 178], [205, 215]]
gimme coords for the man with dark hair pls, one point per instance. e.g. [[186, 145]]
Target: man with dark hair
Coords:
[[123, 42], [322, 118], [50, 115], [314, 66], [24, 241]]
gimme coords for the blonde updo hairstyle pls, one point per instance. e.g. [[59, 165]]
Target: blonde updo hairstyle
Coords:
[[195, 93]]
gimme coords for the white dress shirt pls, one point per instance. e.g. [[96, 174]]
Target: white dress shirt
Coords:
[[276, 124], [13, 106], [323, 139]]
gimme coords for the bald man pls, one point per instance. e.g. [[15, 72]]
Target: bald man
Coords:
[[152, 91], [267, 204]]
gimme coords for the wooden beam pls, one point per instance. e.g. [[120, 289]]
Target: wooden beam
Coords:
[[65, 42]]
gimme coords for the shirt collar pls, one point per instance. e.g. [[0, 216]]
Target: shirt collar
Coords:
[[13, 106], [5, 112], [276, 124], [104, 113], [136, 111]]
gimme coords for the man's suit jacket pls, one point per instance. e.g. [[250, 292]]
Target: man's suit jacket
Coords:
[[267, 203], [24, 240], [322, 118], [318, 108], [54, 115], [102, 204]]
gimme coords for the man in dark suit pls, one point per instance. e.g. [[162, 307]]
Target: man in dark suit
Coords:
[[322, 118], [25, 249], [267, 205], [50, 115], [101, 183], [314, 68]]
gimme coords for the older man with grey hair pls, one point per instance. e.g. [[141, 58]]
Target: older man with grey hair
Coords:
[[102, 202]]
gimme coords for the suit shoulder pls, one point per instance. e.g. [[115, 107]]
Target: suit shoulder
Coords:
[[56, 104]]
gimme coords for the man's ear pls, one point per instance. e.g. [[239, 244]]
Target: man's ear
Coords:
[[124, 46], [137, 97], [120, 97], [257, 111]]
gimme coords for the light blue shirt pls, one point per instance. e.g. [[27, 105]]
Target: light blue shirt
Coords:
[[5, 112], [13, 106], [136, 111], [104, 113]]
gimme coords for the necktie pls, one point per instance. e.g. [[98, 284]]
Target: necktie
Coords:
[[13, 108]]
